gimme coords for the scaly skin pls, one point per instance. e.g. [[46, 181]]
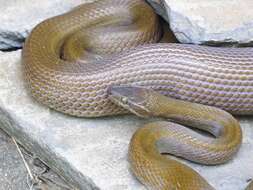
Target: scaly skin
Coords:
[[161, 173], [69, 62], [221, 77], [79, 87]]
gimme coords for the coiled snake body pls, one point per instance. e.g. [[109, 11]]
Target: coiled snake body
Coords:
[[71, 60]]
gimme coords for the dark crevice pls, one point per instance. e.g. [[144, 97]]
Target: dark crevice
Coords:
[[11, 49]]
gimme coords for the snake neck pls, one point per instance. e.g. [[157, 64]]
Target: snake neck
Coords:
[[210, 119]]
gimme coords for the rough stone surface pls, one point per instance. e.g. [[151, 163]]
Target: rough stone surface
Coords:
[[208, 22], [18, 17], [11, 165], [92, 153], [14, 175]]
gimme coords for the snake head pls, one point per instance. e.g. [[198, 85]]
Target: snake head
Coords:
[[132, 98]]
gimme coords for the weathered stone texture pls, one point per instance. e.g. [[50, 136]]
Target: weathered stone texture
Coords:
[[208, 22]]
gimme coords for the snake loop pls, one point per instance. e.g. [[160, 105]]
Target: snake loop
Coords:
[[70, 61]]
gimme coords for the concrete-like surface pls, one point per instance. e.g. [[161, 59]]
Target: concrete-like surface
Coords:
[[14, 175], [92, 153]]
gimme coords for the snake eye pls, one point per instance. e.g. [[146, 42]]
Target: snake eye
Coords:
[[124, 100]]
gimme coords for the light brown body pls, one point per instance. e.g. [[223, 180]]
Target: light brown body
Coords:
[[70, 61], [250, 186], [161, 173]]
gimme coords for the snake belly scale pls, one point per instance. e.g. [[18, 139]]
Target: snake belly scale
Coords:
[[70, 61]]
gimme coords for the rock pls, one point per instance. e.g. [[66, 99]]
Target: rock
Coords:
[[92, 153], [18, 17], [12, 169], [13, 173], [208, 22]]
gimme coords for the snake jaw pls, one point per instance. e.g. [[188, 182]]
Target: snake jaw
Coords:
[[131, 98]]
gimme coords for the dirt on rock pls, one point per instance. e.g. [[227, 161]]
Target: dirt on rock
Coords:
[[14, 175]]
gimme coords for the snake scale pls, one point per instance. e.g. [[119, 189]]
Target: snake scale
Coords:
[[71, 63]]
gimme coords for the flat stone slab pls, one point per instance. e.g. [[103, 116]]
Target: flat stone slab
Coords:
[[92, 153]]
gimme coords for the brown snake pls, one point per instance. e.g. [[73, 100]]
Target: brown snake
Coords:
[[71, 60]]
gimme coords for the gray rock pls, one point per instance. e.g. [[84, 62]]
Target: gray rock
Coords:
[[11, 165], [92, 153], [208, 22], [14, 175], [18, 17]]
